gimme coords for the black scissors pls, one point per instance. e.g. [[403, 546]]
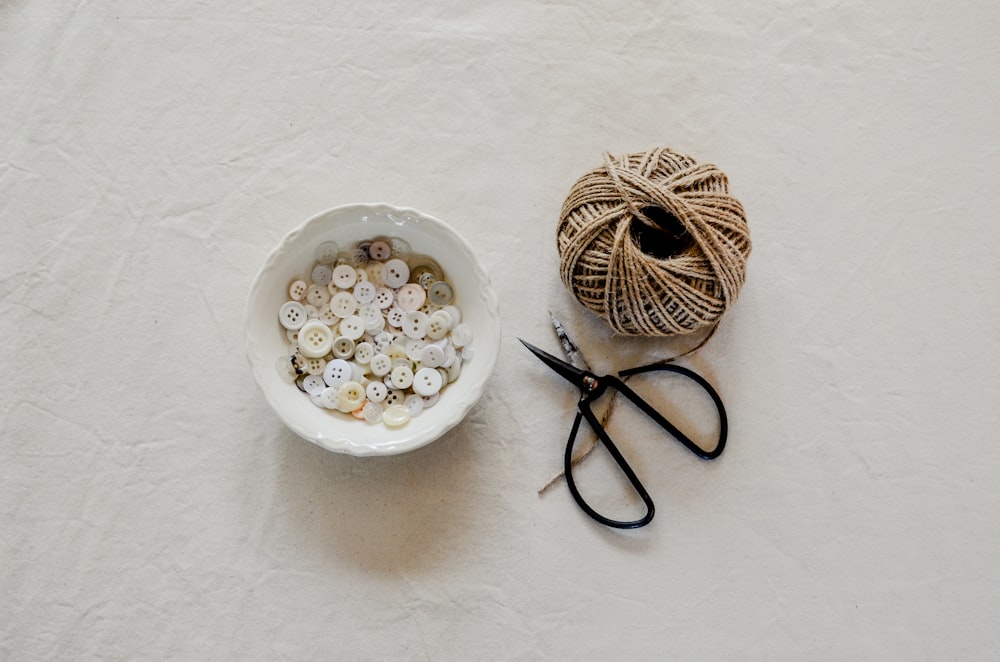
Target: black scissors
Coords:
[[592, 387]]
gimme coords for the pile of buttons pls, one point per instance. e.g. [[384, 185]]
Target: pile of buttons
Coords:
[[373, 332]]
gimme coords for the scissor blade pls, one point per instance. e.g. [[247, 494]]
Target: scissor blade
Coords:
[[569, 347], [568, 372]]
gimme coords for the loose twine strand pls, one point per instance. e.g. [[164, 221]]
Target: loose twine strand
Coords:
[[676, 288]]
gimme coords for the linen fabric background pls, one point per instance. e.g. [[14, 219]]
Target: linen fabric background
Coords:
[[152, 507]]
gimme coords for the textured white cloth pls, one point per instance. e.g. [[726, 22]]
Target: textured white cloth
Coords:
[[152, 506]]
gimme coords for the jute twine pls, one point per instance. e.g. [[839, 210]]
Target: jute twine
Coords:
[[654, 243]]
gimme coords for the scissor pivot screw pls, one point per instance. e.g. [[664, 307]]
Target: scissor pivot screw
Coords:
[[590, 383]]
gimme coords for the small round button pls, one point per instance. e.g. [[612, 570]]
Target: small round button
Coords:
[[380, 365], [327, 316], [440, 293], [410, 297], [380, 250], [337, 372], [314, 366], [343, 347], [328, 397], [461, 335], [395, 273], [297, 290], [318, 296], [395, 416], [315, 339], [344, 276], [313, 384], [415, 404], [427, 381], [350, 396], [352, 327], [402, 376], [437, 326], [327, 252], [343, 304], [321, 274], [370, 315], [363, 352], [384, 297], [395, 316], [292, 315], [376, 391], [365, 292], [432, 356], [415, 324], [373, 412]]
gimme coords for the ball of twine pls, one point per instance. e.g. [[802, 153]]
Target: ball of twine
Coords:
[[654, 243]]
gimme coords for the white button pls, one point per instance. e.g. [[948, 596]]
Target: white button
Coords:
[[427, 381], [395, 273], [440, 293], [373, 412], [454, 370], [318, 296], [337, 372], [376, 391], [415, 324], [370, 314], [317, 399], [343, 347], [437, 326], [415, 404], [402, 376], [395, 416], [384, 297], [431, 400], [326, 316], [382, 342], [375, 271], [414, 348], [375, 325], [321, 274], [344, 276], [456, 314], [365, 292], [328, 397], [468, 352], [380, 250], [380, 365], [312, 312], [343, 304], [410, 297], [353, 327], [395, 316], [363, 352], [315, 339], [461, 335], [350, 396], [297, 290], [292, 315], [399, 247], [432, 356], [449, 355], [313, 384], [327, 252]]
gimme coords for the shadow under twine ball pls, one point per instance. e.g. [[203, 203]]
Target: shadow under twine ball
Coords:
[[654, 243]]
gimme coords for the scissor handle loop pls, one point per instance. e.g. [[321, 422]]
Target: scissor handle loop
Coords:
[[585, 412]]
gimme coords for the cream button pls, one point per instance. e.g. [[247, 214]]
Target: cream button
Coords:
[[437, 325], [373, 412], [380, 365], [395, 273], [384, 297], [297, 290], [427, 381], [315, 339], [343, 347], [350, 396], [395, 316], [314, 366], [292, 315], [327, 316], [371, 315], [395, 416], [352, 327], [317, 296], [365, 292], [343, 304], [363, 352], [344, 276], [410, 297]]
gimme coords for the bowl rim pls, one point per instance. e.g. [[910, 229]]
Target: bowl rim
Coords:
[[339, 444]]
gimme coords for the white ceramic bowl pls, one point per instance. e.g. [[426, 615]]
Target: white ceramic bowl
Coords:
[[294, 257]]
